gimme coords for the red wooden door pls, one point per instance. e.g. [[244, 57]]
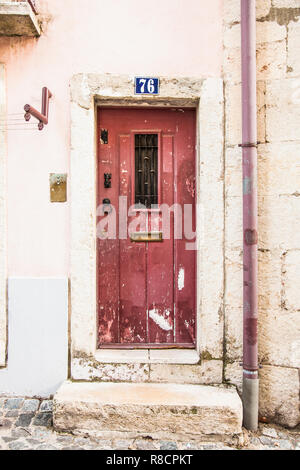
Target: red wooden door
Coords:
[[146, 289]]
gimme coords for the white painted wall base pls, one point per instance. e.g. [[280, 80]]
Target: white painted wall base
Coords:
[[37, 337]]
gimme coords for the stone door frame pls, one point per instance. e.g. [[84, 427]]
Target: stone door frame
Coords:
[[88, 91]]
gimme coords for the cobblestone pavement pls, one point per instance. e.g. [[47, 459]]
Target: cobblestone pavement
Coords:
[[26, 424]]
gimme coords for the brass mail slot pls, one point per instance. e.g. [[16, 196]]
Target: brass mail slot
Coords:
[[146, 237]]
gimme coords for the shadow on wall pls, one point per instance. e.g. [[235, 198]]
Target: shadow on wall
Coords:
[[37, 337]]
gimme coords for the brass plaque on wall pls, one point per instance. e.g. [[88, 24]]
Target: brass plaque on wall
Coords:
[[58, 187]]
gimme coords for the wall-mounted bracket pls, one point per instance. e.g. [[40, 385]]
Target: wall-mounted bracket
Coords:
[[43, 116]]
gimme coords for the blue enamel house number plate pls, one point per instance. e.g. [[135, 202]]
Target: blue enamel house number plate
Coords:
[[146, 86]]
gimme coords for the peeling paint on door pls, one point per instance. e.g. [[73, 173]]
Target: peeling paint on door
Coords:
[[161, 321], [181, 279]]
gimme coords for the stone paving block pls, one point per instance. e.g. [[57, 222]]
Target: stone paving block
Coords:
[[13, 403], [43, 419], [41, 433], [285, 444], [46, 406], [45, 447], [266, 440], [65, 439], [19, 432], [123, 444], [269, 432], [9, 439], [168, 446], [145, 445], [30, 406], [6, 424], [32, 442], [18, 445], [12, 414], [24, 420]]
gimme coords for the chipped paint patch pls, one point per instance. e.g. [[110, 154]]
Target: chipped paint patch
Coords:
[[161, 321], [181, 279]]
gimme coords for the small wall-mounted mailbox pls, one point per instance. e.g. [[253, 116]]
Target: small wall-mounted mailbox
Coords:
[[146, 237], [58, 187]]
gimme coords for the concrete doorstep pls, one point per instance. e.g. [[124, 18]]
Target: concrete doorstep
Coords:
[[154, 410]]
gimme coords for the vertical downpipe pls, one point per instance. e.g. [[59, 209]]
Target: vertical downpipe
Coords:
[[250, 263]]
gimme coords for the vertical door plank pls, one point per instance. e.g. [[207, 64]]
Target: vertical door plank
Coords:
[[161, 258], [133, 311], [185, 267], [108, 250]]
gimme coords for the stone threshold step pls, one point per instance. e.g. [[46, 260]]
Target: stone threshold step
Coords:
[[156, 410]]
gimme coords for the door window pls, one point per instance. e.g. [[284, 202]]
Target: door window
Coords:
[[146, 169]]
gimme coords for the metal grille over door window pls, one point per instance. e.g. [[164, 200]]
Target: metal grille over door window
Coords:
[[146, 165]]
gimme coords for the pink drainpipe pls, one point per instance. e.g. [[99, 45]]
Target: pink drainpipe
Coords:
[[249, 145]]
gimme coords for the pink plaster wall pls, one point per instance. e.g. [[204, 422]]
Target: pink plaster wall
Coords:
[[157, 37]]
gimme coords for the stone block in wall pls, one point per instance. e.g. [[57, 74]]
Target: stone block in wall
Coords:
[[233, 172], [232, 11], [233, 223], [293, 61], [279, 395], [279, 337], [206, 373], [232, 65], [270, 31], [234, 374], [291, 282], [233, 107], [211, 325], [285, 3], [271, 60], [269, 280], [279, 168], [283, 110], [232, 36], [262, 8], [234, 332], [87, 369], [261, 110], [234, 279], [233, 110], [279, 221]]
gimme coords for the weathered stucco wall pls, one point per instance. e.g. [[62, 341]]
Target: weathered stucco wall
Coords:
[[278, 75]]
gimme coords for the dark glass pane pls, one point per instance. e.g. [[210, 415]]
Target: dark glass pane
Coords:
[[146, 169]]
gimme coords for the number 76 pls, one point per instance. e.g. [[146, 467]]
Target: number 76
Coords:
[[149, 83]]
